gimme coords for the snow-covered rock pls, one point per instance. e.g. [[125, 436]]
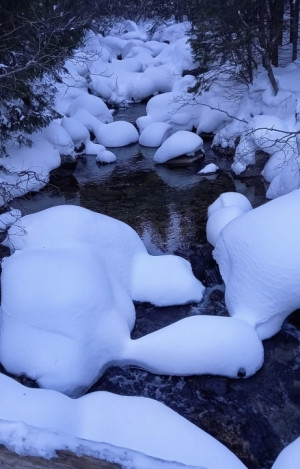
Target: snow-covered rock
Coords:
[[67, 308], [175, 108], [60, 138], [27, 169], [289, 457], [230, 199], [116, 134], [180, 143], [155, 134], [77, 131], [259, 257], [106, 156], [209, 168], [92, 104], [105, 426]]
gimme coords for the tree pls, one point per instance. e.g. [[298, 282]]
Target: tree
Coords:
[[240, 33], [36, 37]]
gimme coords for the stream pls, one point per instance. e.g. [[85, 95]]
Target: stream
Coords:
[[255, 417]]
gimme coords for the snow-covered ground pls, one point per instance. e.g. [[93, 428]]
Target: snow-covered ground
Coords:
[[97, 265]]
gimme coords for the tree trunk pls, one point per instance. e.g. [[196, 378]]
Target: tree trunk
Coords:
[[276, 29], [295, 27], [268, 67], [64, 460]]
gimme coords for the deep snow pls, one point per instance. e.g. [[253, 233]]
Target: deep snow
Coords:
[[96, 274]]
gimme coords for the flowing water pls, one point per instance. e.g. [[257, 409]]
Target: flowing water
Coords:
[[255, 417]]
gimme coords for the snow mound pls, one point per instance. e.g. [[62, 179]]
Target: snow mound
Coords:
[[175, 108], [180, 143], [259, 258], [105, 426], [209, 168], [116, 134], [218, 220], [27, 169], [230, 199], [60, 138], [93, 104], [77, 131], [89, 261], [106, 156], [155, 134], [176, 275]]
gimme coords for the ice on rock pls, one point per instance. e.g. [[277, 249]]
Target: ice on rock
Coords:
[[259, 257], [180, 143], [155, 134]]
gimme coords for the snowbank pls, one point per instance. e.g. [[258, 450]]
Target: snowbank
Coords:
[[95, 265], [27, 169], [104, 425], [65, 327], [259, 258]]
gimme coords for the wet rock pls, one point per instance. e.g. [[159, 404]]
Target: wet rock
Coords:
[[184, 160], [205, 267]]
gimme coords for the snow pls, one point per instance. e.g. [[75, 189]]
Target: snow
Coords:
[[106, 156], [289, 457], [92, 104], [116, 134], [209, 168], [104, 425], [27, 168], [155, 134], [77, 131], [230, 199], [60, 138], [258, 257], [130, 64], [96, 265], [9, 218], [180, 143]]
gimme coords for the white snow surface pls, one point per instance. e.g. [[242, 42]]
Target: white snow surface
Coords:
[[129, 65], [289, 457], [96, 266], [155, 134], [209, 168], [116, 134], [259, 258], [27, 168], [180, 143], [104, 425]]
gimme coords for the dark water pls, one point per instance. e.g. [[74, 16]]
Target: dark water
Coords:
[[256, 417]]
